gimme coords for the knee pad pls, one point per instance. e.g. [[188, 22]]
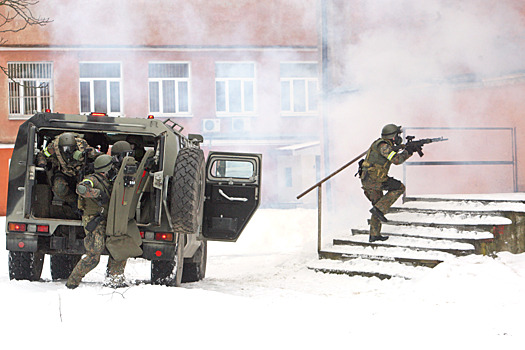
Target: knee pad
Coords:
[[393, 185]]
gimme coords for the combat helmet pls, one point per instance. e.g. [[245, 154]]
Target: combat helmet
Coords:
[[390, 131], [121, 149], [103, 163], [67, 144]]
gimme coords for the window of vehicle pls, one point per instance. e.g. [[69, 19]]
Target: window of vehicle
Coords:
[[30, 88], [239, 169], [100, 87], [299, 88], [235, 88], [169, 88]]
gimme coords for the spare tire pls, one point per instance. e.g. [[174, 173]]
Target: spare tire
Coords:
[[186, 191]]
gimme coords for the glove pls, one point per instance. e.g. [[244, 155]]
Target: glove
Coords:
[[410, 149], [104, 198]]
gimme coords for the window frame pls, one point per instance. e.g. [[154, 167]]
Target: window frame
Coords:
[[307, 96], [160, 96], [108, 89], [21, 82], [243, 82]]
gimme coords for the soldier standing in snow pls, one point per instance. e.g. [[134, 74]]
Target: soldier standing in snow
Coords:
[[374, 176], [94, 193]]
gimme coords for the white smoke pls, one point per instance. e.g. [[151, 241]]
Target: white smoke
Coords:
[[421, 64]]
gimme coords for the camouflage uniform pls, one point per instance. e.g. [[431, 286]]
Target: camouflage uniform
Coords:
[[375, 179], [94, 201], [63, 173]]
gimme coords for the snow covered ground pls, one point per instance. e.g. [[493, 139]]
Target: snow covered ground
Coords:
[[258, 294]]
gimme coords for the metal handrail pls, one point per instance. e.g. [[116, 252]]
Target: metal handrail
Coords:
[[512, 162], [319, 187]]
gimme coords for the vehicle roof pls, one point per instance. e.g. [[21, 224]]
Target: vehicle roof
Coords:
[[87, 123]]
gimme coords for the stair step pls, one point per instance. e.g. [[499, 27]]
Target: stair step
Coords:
[[463, 206], [430, 232], [452, 247], [392, 254], [439, 219], [518, 197], [368, 268]]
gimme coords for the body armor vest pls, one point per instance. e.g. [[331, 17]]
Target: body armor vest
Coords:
[[376, 165], [92, 206]]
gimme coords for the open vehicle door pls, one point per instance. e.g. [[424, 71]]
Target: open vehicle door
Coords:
[[232, 194]]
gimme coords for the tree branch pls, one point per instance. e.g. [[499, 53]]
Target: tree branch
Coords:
[[15, 16]]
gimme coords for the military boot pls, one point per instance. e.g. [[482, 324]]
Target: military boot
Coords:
[[116, 281], [72, 283]]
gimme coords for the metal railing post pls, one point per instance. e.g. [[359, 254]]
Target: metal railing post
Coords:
[[319, 211], [319, 186]]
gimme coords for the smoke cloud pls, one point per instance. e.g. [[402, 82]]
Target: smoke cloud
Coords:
[[435, 63]]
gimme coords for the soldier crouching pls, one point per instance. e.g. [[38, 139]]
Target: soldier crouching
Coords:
[[94, 193]]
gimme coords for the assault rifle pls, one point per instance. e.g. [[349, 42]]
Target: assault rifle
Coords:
[[417, 145]]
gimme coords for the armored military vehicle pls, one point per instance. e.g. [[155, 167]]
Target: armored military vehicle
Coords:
[[175, 198]]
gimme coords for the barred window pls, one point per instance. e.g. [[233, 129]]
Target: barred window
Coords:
[[235, 88], [299, 88], [169, 88], [100, 87], [30, 88]]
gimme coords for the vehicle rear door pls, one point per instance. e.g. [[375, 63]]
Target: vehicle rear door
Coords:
[[232, 194]]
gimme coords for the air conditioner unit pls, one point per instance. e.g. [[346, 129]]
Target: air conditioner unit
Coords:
[[241, 124], [211, 125]]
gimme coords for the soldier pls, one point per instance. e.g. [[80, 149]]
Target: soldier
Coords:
[[137, 146], [119, 151], [374, 176], [94, 194], [65, 158]]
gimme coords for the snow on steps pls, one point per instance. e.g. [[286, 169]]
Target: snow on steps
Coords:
[[429, 232], [424, 231], [423, 244], [368, 268]]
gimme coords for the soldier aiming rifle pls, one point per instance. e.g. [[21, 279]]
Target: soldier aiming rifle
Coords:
[[417, 145], [373, 172]]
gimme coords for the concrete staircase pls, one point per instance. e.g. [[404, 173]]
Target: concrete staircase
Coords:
[[427, 230]]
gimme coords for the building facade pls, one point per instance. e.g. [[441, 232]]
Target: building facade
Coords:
[[307, 83], [244, 74]]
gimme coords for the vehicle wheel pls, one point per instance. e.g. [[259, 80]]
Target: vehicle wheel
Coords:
[[169, 272], [195, 268], [187, 191], [25, 265], [62, 265]]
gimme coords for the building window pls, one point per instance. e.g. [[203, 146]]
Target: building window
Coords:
[[299, 89], [30, 88], [235, 88], [100, 88], [169, 88]]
